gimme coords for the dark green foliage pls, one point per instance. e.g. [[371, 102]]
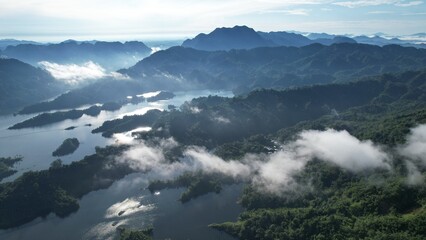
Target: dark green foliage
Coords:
[[128, 123], [196, 184], [36, 194], [213, 121], [339, 206], [127, 234], [6, 165], [254, 144], [67, 147], [199, 188]]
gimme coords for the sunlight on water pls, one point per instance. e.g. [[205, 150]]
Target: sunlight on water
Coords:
[[127, 138], [140, 111], [149, 94], [127, 207]]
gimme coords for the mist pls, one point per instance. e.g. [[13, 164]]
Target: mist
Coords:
[[273, 173], [415, 147], [74, 74]]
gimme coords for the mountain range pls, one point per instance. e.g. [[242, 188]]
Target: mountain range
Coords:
[[271, 67], [13, 42], [110, 55], [243, 37]]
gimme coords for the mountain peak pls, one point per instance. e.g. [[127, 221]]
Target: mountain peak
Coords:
[[237, 37]]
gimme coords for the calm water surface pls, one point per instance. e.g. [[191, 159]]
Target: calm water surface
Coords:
[[126, 202]]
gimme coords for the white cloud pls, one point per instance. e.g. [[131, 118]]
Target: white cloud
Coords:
[[146, 16], [75, 74], [341, 148], [303, 12], [272, 173], [200, 159], [364, 3], [409, 4], [380, 12], [415, 147]]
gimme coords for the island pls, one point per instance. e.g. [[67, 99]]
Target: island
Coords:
[[57, 189], [54, 117], [67, 147], [128, 123]]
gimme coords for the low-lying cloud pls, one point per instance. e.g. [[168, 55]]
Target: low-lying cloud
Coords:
[[415, 147], [342, 149], [74, 74], [270, 172]]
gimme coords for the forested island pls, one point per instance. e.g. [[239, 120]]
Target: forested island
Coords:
[[67, 147], [38, 193], [50, 118]]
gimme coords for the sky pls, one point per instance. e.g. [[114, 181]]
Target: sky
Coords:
[[49, 20]]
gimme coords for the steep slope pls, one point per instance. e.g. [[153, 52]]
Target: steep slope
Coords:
[[22, 84]]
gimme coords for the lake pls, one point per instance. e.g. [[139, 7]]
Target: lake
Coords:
[[98, 216], [37, 144], [126, 202]]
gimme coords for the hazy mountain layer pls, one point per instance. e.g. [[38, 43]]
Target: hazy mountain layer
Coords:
[[22, 84], [273, 67], [110, 55]]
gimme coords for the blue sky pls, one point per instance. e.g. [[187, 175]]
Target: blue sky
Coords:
[[151, 19]]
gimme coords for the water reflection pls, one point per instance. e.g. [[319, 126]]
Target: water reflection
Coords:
[[37, 144], [99, 214]]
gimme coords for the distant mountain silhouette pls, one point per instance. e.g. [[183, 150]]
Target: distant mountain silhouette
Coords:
[[243, 37], [334, 40], [186, 68], [22, 84], [314, 36], [13, 42], [286, 39], [377, 40], [238, 37], [110, 55]]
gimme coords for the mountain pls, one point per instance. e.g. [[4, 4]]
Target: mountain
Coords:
[[238, 37], [334, 40], [314, 36], [110, 55], [286, 39], [13, 42], [22, 84], [377, 40], [273, 67], [243, 37]]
